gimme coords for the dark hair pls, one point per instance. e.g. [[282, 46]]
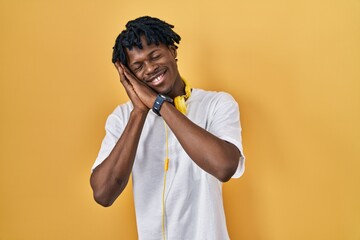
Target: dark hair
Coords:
[[155, 31]]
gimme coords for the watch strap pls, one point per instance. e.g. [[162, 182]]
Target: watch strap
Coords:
[[159, 102]]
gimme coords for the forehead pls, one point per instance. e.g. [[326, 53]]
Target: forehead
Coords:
[[138, 53]]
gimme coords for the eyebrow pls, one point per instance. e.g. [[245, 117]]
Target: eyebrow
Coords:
[[150, 53]]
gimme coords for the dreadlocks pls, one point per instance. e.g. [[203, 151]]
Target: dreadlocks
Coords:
[[155, 31]]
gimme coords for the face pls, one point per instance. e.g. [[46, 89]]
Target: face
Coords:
[[157, 67]]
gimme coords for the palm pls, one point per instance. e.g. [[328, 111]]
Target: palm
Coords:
[[136, 101]]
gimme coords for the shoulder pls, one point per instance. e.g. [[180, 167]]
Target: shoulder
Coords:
[[123, 109], [211, 105], [119, 115], [211, 96]]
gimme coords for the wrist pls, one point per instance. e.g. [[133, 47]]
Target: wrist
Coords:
[[139, 112], [159, 101]]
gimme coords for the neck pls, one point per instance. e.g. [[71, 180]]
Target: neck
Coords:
[[179, 88]]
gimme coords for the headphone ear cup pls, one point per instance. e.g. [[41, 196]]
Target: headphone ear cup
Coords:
[[180, 104], [180, 101]]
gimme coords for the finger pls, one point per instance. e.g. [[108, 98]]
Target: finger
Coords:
[[128, 87], [127, 71], [119, 67], [117, 64], [124, 70], [130, 76]]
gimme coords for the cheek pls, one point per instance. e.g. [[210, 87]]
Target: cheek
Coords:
[[174, 65], [171, 62]]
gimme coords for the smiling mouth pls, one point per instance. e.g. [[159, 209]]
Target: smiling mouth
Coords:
[[158, 79]]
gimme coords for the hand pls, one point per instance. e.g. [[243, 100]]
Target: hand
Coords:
[[143, 91], [138, 104]]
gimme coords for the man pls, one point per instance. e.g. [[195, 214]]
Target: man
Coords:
[[178, 153]]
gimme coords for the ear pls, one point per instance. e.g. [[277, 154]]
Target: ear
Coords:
[[173, 51]]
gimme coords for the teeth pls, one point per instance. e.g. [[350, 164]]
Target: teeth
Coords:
[[158, 78]]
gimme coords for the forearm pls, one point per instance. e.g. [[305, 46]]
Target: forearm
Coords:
[[110, 178], [212, 154]]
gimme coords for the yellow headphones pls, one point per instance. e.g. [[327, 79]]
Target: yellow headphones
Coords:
[[180, 105], [179, 101]]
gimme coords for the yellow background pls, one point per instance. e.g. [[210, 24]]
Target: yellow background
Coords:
[[293, 66]]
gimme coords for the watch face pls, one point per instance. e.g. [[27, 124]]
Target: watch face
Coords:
[[168, 99]]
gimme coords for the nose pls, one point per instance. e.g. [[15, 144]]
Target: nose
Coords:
[[150, 68]]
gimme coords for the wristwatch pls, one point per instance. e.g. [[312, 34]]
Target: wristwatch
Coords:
[[159, 102]]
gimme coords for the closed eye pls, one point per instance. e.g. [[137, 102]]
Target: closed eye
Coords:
[[138, 68], [155, 57]]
